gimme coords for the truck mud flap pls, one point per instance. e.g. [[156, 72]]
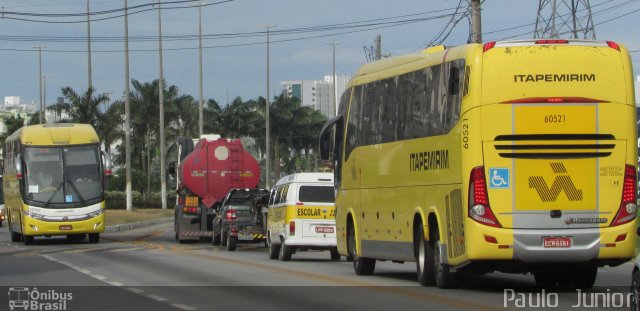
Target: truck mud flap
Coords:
[[196, 234]]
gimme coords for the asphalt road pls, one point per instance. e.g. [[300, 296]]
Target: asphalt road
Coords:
[[146, 269]]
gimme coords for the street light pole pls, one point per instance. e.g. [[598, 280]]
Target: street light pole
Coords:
[[163, 177], [268, 129], [201, 106], [127, 126], [44, 96], [335, 93], [90, 82], [40, 47]]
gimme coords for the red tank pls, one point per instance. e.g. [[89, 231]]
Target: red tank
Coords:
[[214, 167]]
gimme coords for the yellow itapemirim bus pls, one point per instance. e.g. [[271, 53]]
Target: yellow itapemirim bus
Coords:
[[512, 156], [54, 181]]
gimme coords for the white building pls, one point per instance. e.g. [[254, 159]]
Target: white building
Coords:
[[318, 93]]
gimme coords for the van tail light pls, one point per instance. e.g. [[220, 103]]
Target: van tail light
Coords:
[[231, 215], [479, 208], [292, 228], [628, 207]]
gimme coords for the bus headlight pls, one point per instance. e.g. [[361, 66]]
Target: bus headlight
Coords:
[[96, 213], [34, 215]]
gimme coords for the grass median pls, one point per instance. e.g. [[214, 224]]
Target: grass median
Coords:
[[119, 216]]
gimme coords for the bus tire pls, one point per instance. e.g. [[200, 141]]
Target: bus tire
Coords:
[[545, 279], [94, 238], [15, 237], [583, 278], [362, 266], [444, 278], [274, 250], [231, 242], [27, 239], [424, 260]]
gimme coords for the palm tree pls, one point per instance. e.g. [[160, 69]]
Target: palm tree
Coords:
[[84, 108]]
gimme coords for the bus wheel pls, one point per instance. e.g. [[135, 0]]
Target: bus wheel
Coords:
[[444, 278], [15, 237], [545, 279], [424, 262], [94, 237], [27, 239], [362, 266], [583, 278]]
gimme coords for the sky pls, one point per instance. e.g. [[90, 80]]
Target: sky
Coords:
[[234, 49]]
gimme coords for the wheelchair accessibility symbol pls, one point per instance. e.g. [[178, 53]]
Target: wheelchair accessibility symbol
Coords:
[[499, 178]]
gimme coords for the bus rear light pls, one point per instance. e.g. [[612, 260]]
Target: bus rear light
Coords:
[[628, 208], [488, 46], [552, 41], [613, 45], [231, 215], [479, 207], [292, 228]]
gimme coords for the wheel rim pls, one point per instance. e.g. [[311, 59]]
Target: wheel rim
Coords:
[[421, 255]]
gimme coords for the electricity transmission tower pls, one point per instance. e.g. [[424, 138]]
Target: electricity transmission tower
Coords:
[[565, 18]]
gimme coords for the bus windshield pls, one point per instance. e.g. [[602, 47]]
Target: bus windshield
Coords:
[[62, 176]]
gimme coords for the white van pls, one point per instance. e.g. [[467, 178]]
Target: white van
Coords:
[[301, 215]]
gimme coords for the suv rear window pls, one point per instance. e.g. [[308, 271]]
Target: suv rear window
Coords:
[[322, 194]]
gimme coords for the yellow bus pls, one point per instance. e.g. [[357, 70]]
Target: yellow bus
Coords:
[[54, 182], [512, 156]]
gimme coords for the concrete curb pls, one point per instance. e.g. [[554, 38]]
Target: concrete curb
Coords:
[[136, 225]]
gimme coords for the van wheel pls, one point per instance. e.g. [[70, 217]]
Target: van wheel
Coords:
[[94, 238], [285, 252], [362, 266], [231, 242], [274, 250], [583, 278], [335, 256]]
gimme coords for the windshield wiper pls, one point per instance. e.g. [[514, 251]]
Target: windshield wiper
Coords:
[[76, 190], [46, 204]]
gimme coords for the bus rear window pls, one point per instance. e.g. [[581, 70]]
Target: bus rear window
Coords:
[[323, 194]]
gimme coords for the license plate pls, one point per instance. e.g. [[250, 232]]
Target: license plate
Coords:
[[245, 237], [66, 227], [191, 201], [324, 229], [556, 242]]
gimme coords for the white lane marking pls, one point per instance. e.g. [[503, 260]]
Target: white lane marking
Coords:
[[183, 307], [135, 290], [115, 283], [158, 298], [98, 276]]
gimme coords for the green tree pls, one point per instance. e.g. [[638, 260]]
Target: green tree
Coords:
[[13, 123], [84, 108]]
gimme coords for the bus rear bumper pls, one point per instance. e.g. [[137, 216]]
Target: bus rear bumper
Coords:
[[576, 245], [35, 227]]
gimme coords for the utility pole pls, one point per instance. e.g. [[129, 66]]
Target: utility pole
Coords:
[[127, 126], [476, 23], [44, 96], [378, 47], [335, 93], [90, 82], [268, 129], [163, 177], [39, 48], [201, 106]]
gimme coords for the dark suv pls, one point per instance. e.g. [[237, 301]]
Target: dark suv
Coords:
[[240, 217]]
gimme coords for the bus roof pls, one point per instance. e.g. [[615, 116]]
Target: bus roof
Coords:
[[55, 134], [306, 178]]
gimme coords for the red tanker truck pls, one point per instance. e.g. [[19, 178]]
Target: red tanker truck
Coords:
[[205, 173]]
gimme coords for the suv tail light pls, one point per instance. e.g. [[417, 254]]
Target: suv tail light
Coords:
[[628, 207], [231, 214], [479, 208]]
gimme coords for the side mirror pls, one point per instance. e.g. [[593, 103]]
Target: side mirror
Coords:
[[326, 137], [106, 162], [19, 171]]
